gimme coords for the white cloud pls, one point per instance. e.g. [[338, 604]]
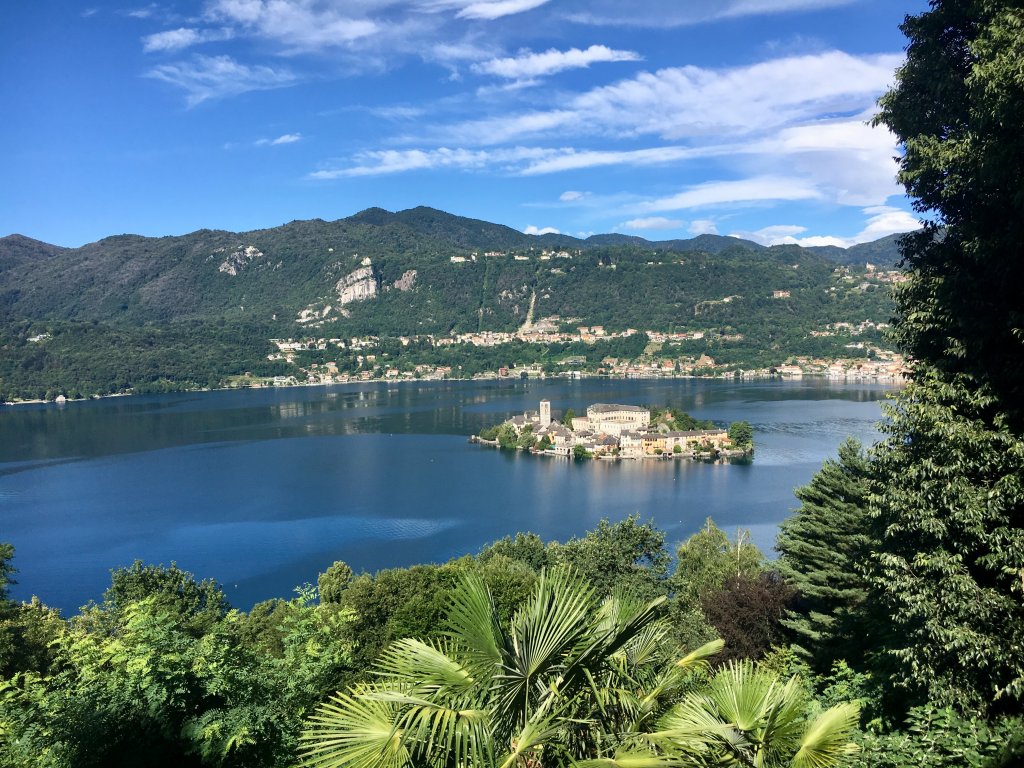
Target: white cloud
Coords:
[[177, 39], [532, 230], [653, 222], [881, 221], [398, 112], [143, 13], [572, 159], [884, 220], [519, 160], [697, 104], [531, 65], [288, 138], [483, 9], [725, 193], [299, 25], [672, 13], [212, 77], [773, 235], [569, 196], [702, 227], [693, 102], [389, 161]]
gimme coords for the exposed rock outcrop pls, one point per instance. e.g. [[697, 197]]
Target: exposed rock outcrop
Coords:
[[357, 286], [240, 259], [406, 281]]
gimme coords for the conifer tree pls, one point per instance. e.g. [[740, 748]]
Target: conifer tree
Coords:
[[823, 547]]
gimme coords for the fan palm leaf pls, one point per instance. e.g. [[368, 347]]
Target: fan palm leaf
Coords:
[[355, 731], [828, 738]]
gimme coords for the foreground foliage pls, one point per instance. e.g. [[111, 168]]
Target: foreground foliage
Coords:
[[569, 679]]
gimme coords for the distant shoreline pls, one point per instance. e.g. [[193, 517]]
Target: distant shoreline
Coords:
[[893, 382]]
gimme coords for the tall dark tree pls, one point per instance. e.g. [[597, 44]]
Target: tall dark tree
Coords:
[[823, 547], [949, 504], [957, 108]]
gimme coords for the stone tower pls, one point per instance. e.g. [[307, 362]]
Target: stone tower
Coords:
[[545, 413]]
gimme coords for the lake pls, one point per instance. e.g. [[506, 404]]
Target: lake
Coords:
[[264, 489]]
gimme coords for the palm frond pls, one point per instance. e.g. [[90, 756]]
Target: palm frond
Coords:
[[532, 737], [354, 731], [427, 667], [741, 694], [472, 621], [828, 737], [440, 733], [545, 632], [697, 659]]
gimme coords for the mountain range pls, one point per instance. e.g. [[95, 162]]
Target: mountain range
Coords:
[[272, 275]]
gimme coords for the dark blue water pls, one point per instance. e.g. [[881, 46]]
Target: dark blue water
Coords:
[[263, 489]]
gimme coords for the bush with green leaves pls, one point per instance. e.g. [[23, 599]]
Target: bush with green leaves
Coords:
[[570, 679]]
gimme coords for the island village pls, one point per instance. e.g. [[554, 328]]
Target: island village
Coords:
[[615, 432]]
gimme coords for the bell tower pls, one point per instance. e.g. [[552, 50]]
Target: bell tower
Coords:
[[545, 413]]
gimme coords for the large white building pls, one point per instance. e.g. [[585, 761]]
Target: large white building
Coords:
[[603, 418]]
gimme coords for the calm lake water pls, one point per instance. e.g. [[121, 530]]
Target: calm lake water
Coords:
[[263, 489]]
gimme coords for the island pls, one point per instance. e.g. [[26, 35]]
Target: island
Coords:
[[612, 431]]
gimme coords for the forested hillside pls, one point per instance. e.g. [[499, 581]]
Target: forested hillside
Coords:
[[131, 313], [273, 274]]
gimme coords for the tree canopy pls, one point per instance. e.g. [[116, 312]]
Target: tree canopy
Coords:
[[948, 493]]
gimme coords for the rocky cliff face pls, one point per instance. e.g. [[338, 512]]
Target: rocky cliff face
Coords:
[[406, 281], [357, 286], [239, 260]]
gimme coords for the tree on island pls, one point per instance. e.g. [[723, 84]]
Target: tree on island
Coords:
[[580, 453], [741, 434]]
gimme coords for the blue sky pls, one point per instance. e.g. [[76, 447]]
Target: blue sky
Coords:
[[660, 118]]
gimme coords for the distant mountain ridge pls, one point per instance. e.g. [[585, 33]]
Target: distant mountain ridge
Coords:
[[276, 274], [464, 232]]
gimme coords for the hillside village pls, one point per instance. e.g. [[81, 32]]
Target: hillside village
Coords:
[[616, 432]]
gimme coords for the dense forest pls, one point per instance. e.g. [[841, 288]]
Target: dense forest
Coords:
[[889, 632]]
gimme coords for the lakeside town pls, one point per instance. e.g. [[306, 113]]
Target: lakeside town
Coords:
[[867, 362], [615, 431]]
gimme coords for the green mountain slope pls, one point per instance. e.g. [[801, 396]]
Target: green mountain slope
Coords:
[[271, 275], [131, 311]]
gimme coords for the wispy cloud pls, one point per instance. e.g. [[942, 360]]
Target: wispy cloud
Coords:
[[213, 77], [573, 159], [183, 37], [298, 25], [144, 12], [483, 9], [724, 193], [570, 196], [698, 104], [672, 13], [652, 222], [288, 138], [532, 65], [384, 162]]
